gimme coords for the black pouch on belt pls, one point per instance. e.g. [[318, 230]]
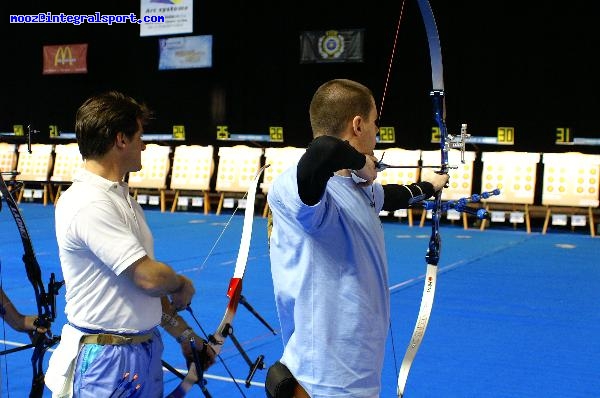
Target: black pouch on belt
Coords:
[[280, 382]]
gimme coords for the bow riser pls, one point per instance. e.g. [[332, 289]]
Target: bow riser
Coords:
[[234, 293]]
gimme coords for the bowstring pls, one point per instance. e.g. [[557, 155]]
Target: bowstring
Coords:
[[391, 62], [214, 246], [2, 309], [385, 88]]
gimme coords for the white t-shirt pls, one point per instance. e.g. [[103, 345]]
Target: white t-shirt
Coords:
[[329, 269], [100, 232]]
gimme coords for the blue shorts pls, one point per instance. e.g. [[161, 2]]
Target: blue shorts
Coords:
[[108, 370]]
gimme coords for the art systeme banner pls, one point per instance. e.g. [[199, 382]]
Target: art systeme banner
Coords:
[[178, 16], [332, 46]]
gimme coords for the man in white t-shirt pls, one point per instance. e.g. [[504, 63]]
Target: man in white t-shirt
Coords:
[[117, 293]]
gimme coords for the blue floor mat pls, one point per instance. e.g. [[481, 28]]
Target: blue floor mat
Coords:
[[515, 314]]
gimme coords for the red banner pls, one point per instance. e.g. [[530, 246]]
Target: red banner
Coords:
[[65, 58]]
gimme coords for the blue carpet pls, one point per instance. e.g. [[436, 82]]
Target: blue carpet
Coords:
[[515, 314]]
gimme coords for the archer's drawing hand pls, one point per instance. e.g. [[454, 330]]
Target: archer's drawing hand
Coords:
[[369, 171]]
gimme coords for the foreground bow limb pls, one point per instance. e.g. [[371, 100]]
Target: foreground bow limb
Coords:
[[433, 251], [437, 207], [217, 339]]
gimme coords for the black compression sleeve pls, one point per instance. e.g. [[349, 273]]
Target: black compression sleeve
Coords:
[[402, 196], [324, 156]]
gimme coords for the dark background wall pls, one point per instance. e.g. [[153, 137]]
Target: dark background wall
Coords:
[[507, 63]]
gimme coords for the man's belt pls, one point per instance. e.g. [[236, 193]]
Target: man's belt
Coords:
[[115, 339]]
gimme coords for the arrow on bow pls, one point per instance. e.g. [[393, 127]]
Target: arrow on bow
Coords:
[[455, 142], [45, 300]]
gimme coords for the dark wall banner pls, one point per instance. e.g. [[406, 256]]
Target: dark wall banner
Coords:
[[321, 46], [65, 58]]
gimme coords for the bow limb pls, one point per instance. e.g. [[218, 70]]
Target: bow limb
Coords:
[[45, 300], [234, 292], [433, 251]]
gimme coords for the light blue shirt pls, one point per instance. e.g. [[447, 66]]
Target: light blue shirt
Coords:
[[329, 269]]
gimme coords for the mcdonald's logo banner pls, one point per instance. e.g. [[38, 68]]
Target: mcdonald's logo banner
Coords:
[[65, 58]]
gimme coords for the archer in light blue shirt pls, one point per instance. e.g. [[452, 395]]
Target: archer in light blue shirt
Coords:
[[327, 251]]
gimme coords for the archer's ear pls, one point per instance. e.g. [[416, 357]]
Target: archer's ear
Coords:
[[357, 122], [120, 140]]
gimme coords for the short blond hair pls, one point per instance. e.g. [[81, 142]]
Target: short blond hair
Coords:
[[337, 102]]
